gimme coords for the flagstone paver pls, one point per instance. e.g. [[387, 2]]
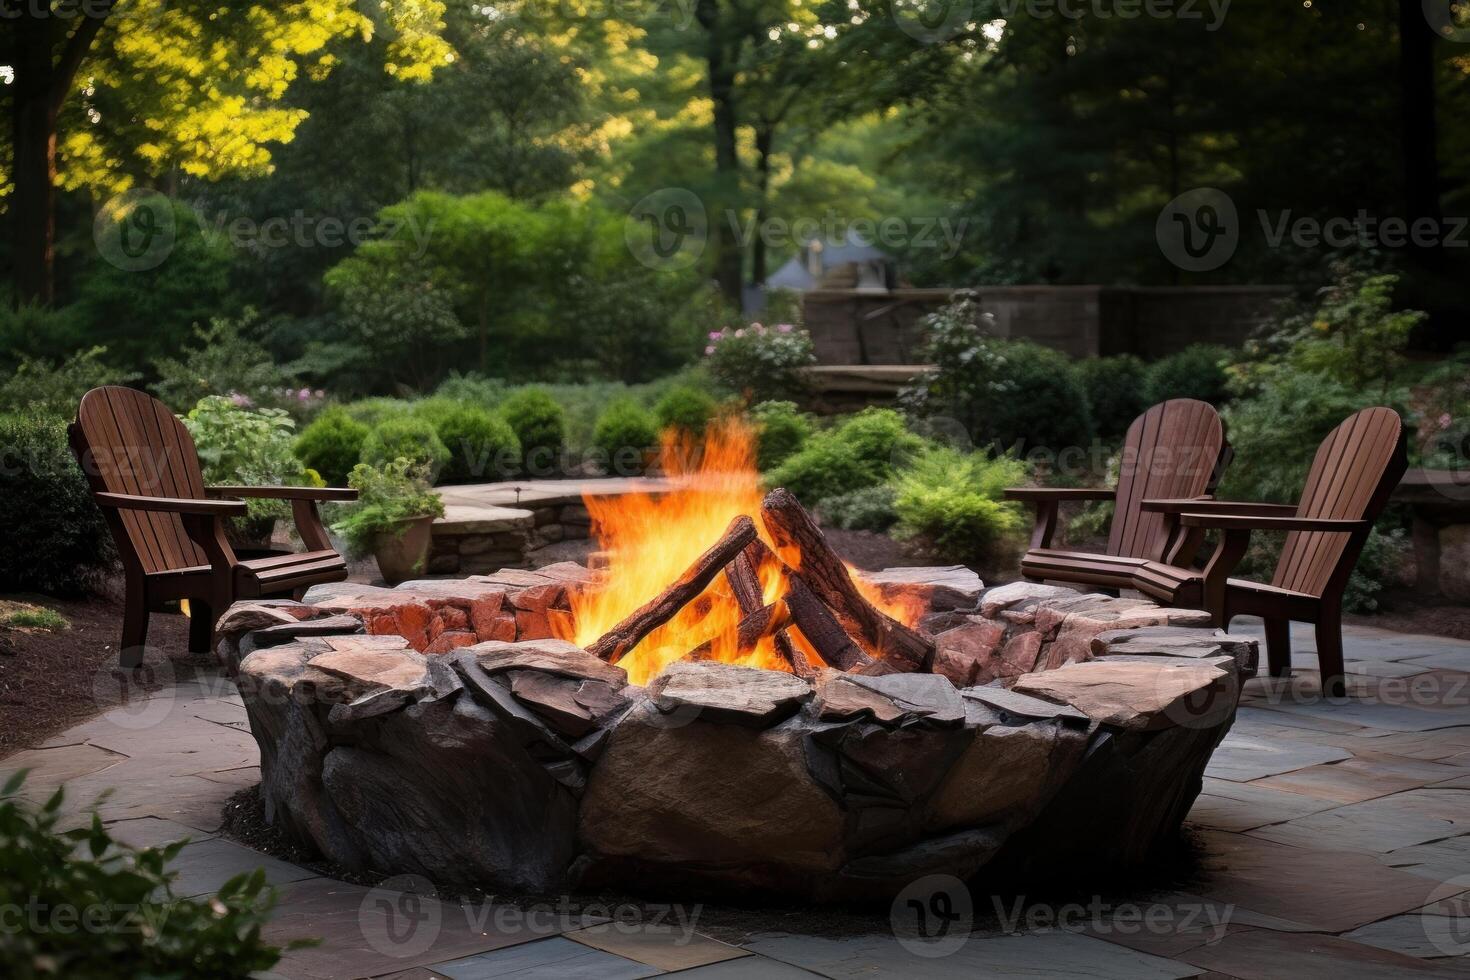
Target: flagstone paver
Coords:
[[1327, 828]]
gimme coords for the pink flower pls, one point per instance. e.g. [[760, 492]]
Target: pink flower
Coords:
[[709, 350], [715, 334], [240, 401], [1445, 420], [784, 328], [740, 333]]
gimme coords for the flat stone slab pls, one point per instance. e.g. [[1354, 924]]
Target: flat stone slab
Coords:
[[1243, 758], [1128, 694], [1262, 953], [1002, 597], [928, 696], [472, 519], [729, 693], [551, 656], [942, 586], [1381, 825], [367, 671], [1022, 705]]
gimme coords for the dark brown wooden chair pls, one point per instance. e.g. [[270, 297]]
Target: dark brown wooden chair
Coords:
[[1175, 449], [144, 473], [1352, 476]]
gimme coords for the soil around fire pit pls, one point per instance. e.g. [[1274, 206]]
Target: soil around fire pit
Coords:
[[49, 680]]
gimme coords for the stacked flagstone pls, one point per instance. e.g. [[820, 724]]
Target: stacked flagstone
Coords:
[[435, 729]]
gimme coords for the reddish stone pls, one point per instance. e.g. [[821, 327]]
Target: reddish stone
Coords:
[[452, 640], [413, 624], [561, 623], [1069, 648], [532, 625], [383, 624], [501, 627], [454, 618], [483, 611], [539, 597], [1019, 655]]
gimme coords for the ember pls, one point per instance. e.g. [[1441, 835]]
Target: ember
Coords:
[[714, 571]]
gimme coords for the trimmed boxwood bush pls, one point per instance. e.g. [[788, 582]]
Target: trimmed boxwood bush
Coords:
[[687, 409], [1195, 372], [482, 446], [55, 540], [1117, 392], [862, 451], [624, 433], [540, 424], [332, 445], [408, 437], [781, 431], [1007, 394]]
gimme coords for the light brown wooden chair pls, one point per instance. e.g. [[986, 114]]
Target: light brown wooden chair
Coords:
[[141, 465], [1352, 476], [1175, 449]]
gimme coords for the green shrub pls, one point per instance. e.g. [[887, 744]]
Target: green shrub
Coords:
[[56, 540], [761, 363], [625, 433], [41, 387], [686, 408], [372, 411], [540, 425], [1116, 392], [1197, 372], [248, 447], [332, 445], [387, 495], [481, 444], [951, 502], [105, 909], [868, 509], [472, 387], [26, 616], [408, 437], [862, 451], [781, 431], [227, 361], [1008, 395]]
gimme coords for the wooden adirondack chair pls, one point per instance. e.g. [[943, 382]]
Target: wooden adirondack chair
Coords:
[[1175, 449], [1352, 476], [144, 473]]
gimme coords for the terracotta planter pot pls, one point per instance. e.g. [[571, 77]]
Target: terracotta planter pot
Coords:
[[403, 552]]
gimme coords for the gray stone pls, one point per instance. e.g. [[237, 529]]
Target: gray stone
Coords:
[[551, 656], [927, 696], [728, 693], [1020, 706], [1178, 641], [1002, 597], [1130, 695], [938, 588]]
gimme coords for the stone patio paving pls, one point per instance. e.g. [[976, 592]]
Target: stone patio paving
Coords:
[[1335, 842]]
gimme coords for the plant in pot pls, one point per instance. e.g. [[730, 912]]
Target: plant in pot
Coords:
[[240, 445], [392, 517]]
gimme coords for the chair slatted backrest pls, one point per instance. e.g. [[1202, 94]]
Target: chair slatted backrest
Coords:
[[1355, 469], [1175, 449], [128, 442]]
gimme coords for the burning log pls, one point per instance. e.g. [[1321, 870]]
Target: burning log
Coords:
[[765, 621], [814, 619], [745, 583], [616, 642], [790, 525]]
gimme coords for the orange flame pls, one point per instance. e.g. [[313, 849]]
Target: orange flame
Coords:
[[651, 539]]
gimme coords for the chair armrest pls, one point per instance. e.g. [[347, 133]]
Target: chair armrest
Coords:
[[285, 493], [1205, 505], [1254, 522], [172, 505], [1058, 493]]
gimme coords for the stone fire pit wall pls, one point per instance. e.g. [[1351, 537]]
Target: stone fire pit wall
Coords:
[[500, 759]]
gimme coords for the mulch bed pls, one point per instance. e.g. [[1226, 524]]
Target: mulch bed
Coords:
[[50, 681], [1407, 611]]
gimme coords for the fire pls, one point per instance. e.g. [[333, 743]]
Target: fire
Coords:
[[651, 539]]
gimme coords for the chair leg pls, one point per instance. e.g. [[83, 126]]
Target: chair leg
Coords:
[[134, 632], [1329, 653], [201, 626], [1278, 647]]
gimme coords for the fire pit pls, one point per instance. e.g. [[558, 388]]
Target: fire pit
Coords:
[[722, 704]]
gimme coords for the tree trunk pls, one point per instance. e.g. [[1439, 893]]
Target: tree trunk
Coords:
[[721, 68], [1417, 121], [33, 130], [764, 136]]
